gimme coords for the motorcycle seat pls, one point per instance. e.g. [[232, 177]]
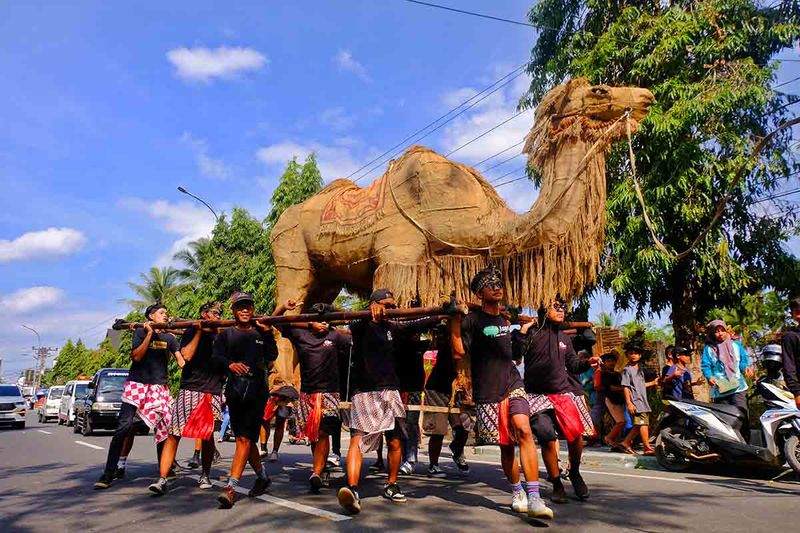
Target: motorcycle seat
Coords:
[[730, 410]]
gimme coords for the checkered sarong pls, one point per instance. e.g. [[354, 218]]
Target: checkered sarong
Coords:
[[542, 402], [373, 413], [186, 403], [152, 404], [312, 408], [494, 419]]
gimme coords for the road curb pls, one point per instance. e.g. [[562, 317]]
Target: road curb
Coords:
[[590, 458]]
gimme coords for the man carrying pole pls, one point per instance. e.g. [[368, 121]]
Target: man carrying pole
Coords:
[[199, 401], [376, 408], [145, 392], [498, 391], [245, 350]]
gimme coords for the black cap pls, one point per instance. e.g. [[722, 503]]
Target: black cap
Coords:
[[239, 296], [680, 350], [153, 308], [380, 294]]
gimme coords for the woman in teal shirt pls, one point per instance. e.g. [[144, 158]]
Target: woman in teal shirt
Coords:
[[725, 364]]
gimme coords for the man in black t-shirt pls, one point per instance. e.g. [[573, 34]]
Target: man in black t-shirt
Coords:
[[199, 401], [319, 350], [145, 392], [245, 350], [376, 409], [498, 391]]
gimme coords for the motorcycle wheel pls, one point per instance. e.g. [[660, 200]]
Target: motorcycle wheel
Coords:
[[666, 457], [791, 450]]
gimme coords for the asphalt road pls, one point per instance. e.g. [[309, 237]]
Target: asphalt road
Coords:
[[47, 472]]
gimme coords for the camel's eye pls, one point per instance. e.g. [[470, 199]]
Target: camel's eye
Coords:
[[599, 90]]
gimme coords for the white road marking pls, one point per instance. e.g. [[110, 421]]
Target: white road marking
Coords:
[[658, 478], [89, 445], [322, 513], [43, 431]]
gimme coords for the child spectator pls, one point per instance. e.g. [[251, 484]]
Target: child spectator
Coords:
[[635, 391], [610, 382], [678, 382]]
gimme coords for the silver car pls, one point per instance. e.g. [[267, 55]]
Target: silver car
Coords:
[[13, 406], [51, 404], [74, 393]]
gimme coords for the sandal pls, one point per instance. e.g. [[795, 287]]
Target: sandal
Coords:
[[649, 452], [628, 450]]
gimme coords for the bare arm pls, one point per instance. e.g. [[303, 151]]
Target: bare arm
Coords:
[[188, 351]]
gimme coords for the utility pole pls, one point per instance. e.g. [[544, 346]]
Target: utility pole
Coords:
[[41, 353]]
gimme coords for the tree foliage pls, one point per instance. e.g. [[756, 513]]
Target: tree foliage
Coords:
[[158, 285], [710, 65], [755, 316]]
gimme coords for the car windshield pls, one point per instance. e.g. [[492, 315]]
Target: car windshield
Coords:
[[9, 390], [112, 384], [80, 390], [55, 394]]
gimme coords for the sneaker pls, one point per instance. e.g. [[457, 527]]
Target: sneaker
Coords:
[[349, 500], [260, 487], [334, 461], [316, 483], [406, 469], [436, 471], [461, 463], [263, 453], [204, 483], [160, 487], [392, 492], [272, 457], [119, 473], [104, 482], [227, 497], [326, 478], [194, 462], [538, 509], [559, 495], [519, 502], [579, 486]]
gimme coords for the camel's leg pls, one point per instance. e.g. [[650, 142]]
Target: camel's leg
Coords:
[[403, 267]]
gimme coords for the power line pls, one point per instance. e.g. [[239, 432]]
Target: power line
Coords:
[[490, 130], [504, 161], [498, 178], [510, 181], [514, 74], [482, 161], [786, 82], [472, 13]]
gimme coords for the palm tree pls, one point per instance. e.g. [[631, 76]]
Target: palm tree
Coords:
[[158, 285], [192, 258]]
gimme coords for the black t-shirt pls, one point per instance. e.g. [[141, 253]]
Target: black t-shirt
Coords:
[[152, 369], [607, 379], [248, 346], [550, 359], [409, 350], [200, 373], [374, 367], [319, 357], [487, 339], [444, 370]]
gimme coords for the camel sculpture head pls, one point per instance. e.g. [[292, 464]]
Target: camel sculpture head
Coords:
[[586, 112]]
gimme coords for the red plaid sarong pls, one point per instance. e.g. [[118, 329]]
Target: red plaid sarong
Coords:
[[312, 408], [572, 415], [153, 405]]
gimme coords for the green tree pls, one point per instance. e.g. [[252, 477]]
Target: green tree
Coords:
[[755, 316], [192, 258], [297, 184], [158, 285], [710, 65]]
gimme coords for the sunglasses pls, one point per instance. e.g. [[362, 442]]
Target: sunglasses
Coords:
[[558, 306]]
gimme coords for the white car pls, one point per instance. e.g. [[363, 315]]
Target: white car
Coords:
[[74, 393], [13, 406], [51, 404]]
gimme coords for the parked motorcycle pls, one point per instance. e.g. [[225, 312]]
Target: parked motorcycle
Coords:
[[692, 432]]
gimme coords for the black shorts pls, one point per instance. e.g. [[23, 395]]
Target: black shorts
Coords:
[[544, 426], [399, 431], [246, 414]]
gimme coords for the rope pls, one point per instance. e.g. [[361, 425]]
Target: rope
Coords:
[[720, 206]]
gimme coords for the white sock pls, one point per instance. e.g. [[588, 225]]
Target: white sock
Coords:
[[122, 462]]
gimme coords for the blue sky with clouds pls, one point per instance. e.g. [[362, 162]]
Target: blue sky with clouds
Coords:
[[106, 109]]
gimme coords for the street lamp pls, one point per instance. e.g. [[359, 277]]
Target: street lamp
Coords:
[[184, 191], [38, 348]]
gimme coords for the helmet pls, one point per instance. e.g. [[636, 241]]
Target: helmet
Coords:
[[773, 353]]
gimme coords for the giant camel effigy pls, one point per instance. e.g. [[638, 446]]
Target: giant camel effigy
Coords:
[[428, 224]]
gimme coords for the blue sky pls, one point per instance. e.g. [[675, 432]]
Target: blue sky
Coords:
[[106, 110]]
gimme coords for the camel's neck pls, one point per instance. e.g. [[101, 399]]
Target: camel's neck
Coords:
[[572, 179]]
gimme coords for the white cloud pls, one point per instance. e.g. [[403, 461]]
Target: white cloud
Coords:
[[336, 118], [39, 244], [334, 161], [187, 221], [208, 166], [344, 60], [24, 301], [205, 64]]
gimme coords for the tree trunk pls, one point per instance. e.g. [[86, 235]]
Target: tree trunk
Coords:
[[682, 300]]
